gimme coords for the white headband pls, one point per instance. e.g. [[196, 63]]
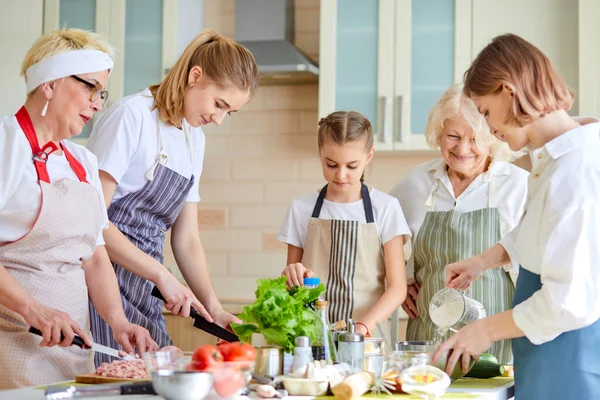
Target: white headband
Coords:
[[66, 64]]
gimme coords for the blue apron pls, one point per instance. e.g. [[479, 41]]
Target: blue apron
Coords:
[[567, 367]]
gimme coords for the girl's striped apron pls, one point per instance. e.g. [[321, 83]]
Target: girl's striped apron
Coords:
[[348, 255], [144, 217], [450, 236]]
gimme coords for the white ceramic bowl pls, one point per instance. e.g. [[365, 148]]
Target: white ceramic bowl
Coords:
[[305, 387]]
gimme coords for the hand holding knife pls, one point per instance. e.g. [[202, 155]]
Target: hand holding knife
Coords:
[[78, 341], [201, 323]]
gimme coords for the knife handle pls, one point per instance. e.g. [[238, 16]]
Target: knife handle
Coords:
[[138, 388], [201, 323], [77, 340], [193, 313]]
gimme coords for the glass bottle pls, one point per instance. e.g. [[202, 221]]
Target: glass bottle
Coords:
[[324, 348]]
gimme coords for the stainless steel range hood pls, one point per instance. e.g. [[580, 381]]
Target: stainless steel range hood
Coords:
[[266, 28]]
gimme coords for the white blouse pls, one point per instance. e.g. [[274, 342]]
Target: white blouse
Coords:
[[20, 194], [125, 140], [559, 236], [509, 195], [386, 211]]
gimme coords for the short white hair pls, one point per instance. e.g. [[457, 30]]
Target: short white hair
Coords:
[[454, 103]]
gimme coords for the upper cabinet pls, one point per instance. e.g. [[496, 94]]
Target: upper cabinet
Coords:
[[142, 32], [391, 60], [552, 25]]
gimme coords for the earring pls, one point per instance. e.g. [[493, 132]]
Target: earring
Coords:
[[45, 109], [191, 85]]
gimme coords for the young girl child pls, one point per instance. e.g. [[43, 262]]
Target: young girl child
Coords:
[[347, 235]]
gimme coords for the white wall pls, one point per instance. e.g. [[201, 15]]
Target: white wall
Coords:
[[551, 25], [20, 26]]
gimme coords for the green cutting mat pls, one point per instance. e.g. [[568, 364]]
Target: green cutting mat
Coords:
[[447, 396], [65, 384], [474, 383]]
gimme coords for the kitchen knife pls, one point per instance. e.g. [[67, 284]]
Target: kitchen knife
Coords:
[[201, 323], [60, 392], [78, 341]]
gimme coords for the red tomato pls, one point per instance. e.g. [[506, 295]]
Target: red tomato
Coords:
[[206, 358], [238, 351]]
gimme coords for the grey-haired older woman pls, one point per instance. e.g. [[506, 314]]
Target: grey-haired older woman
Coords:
[[458, 206]]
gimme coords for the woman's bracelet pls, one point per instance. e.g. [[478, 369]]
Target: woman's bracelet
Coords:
[[366, 327]]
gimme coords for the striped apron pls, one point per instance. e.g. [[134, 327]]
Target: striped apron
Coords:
[[349, 255], [450, 236], [143, 217], [47, 263]]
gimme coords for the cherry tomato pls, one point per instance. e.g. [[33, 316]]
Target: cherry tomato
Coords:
[[206, 358]]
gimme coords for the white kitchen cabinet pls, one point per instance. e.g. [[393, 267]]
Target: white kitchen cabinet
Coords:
[[551, 25], [391, 60], [142, 32], [20, 26]]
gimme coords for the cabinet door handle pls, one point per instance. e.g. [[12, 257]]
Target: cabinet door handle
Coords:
[[398, 119], [382, 125]]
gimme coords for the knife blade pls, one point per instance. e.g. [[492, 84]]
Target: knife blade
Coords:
[[109, 351], [201, 323], [78, 341]]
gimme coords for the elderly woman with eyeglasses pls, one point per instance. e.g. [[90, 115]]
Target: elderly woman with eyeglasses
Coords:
[[52, 255]]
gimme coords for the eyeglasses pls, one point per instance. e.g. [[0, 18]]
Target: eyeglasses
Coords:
[[96, 91]]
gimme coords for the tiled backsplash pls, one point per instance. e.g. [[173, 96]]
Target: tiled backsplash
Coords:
[[257, 161]]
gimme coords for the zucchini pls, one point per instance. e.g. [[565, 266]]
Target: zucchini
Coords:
[[486, 367], [486, 357]]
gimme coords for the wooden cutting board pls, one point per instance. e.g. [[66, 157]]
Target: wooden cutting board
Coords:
[[93, 378]]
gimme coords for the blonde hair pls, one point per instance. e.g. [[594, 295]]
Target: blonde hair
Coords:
[[222, 60], [341, 127], [513, 61], [454, 103], [63, 40]]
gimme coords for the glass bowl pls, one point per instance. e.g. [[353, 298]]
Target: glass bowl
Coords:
[[399, 361], [429, 347], [175, 360], [230, 378]]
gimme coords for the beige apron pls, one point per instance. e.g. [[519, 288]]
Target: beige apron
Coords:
[[348, 256], [47, 263]]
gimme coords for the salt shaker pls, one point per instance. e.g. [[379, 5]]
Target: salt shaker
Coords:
[[302, 352], [351, 349]]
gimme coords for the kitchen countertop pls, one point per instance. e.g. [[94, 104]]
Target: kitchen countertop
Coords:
[[462, 389]]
